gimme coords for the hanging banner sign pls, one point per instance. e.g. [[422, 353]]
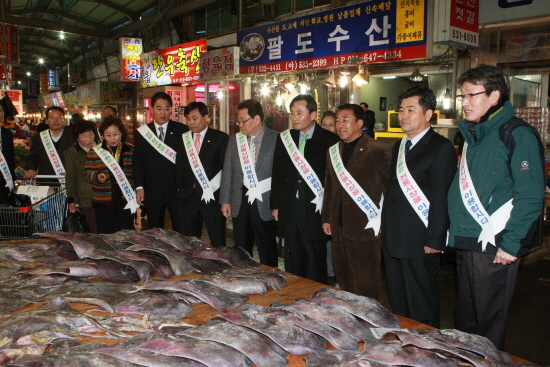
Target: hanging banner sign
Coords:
[[456, 23], [10, 76], [34, 87], [374, 31], [130, 51], [53, 79], [173, 65], [12, 44], [220, 63], [73, 71]]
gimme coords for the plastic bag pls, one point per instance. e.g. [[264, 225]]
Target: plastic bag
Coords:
[[19, 200], [76, 222]]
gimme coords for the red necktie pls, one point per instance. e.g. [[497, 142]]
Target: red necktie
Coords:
[[198, 142]]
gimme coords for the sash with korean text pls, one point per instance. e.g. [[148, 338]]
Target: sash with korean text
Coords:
[[255, 188], [6, 171], [121, 178], [52, 154], [490, 225], [208, 187], [418, 201], [356, 192], [304, 168], [156, 143]]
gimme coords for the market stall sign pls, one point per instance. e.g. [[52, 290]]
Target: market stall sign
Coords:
[[12, 43], [72, 100], [11, 76], [34, 87], [53, 79], [173, 65], [73, 71], [88, 94], [131, 50], [456, 22], [375, 31], [16, 97], [220, 63], [176, 95], [115, 92]]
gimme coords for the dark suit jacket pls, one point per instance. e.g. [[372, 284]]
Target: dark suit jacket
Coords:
[[432, 162], [8, 152], [154, 172], [286, 180], [369, 119], [38, 159], [369, 165], [211, 155]]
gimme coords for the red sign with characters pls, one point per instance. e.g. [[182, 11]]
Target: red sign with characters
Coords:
[[464, 22]]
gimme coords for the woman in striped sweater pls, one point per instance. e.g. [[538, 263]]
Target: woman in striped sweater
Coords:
[[107, 197]]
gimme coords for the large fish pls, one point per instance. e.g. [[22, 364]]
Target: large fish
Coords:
[[177, 260], [233, 255], [366, 308], [36, 252], [216, 297], [208, 267], [209, 353], [159, 263], [81, 245], [275, 278], [145, 358], [244, 286], [143, 269], [261, 350], [333, 316], [281, 330], [160, 306], [178, 241], [111, 241]]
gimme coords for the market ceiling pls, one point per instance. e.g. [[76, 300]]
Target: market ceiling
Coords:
[[60, 31]]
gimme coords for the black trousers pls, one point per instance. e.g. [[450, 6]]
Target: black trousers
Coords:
[[248, 225], [156, 210], [193, 212], [484, 294], [413, 287], [307, 259], [111, 220]]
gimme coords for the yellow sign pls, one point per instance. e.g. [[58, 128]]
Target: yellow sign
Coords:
[[410, 21]]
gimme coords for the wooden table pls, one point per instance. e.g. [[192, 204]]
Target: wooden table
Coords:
[[296, 288]]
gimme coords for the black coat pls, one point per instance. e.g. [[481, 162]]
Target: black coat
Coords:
[[154, 172], [286, 180], [9, 154], [212, 154], [432, 162], [38, 159]]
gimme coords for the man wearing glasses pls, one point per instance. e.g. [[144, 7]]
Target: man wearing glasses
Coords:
[[246, 183], [494, 202], [46, 156]]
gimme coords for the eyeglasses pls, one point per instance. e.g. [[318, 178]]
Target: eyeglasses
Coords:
[[55, 117], [241, 122], [468, 96]]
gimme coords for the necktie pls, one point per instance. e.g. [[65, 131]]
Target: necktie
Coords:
[[252, 146], [198, 142], [161, 134], [303, 144], [408, 145]]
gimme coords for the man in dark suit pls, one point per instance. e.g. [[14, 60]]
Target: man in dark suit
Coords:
[[198, 178], [357, 174], [38, 160], [246, 197], [6, 147], [370, 120], [422, 169], [293, 201], [154, 163]]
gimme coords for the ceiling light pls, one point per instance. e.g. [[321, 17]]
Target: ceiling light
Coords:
[[40, 60], [330, 81], [279, 100], [28, 73], [343, 81], [361, 77], [388, 77], [62, 35], [265, 89], [416, 76], [304, 83], [447, 99]]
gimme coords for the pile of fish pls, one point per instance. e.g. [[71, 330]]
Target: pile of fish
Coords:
[[239, 334]]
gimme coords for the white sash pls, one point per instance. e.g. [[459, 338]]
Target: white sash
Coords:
[[160, 147], [410, 188], [255, 188], [52, 154], [121, 179], [208, 187], [356, 192], [6, 171], [490, 225], [304, 168]]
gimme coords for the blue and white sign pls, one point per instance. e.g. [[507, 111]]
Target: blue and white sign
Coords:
[[53, 79]]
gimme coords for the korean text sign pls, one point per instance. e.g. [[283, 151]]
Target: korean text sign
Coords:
[[464, 22], [177, 64], [375, 31], [131, 50]]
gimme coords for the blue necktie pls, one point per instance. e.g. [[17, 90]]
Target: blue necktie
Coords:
[[408, 145]]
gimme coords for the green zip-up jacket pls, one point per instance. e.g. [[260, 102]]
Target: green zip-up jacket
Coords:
[[495, 185]]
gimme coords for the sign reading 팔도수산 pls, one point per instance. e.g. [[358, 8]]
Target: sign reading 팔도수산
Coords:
[[375, 31]]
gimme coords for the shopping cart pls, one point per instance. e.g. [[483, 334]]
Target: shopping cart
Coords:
[[43, 216]]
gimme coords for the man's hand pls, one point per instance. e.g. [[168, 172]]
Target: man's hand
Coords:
[[429, 250], [102, 177], [504, 258], [226, 210], [72, 207], [326, 229], [30, 174], [140, 196], [275, 214]]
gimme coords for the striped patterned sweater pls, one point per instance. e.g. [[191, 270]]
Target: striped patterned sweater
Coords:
[[108, 194]]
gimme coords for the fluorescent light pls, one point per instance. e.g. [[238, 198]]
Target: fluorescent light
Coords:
[[388, 77]]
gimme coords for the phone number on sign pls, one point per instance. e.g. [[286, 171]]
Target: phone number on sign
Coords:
[[464, 36]]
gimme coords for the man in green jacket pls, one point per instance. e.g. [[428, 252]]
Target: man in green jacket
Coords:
[[494, 202]]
